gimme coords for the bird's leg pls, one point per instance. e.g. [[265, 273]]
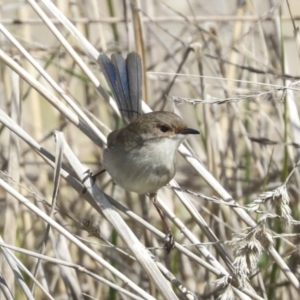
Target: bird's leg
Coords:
[[168, 241]]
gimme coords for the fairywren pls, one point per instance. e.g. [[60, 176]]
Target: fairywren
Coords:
[[140, 157]]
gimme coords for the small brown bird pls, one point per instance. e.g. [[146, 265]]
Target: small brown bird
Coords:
[[140, 157]]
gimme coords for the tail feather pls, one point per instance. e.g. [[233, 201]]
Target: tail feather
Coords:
[[124, 78], [134, 73], [109, 73], [122, 84]]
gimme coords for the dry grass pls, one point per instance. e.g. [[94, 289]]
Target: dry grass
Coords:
[[231, 71]]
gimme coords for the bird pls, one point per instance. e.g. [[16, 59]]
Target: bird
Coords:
[[140, 157]]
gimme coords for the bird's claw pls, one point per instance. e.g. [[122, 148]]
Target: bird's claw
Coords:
[[89, 174], [169, 242]]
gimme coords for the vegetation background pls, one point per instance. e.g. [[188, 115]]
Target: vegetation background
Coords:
[[231, 69]]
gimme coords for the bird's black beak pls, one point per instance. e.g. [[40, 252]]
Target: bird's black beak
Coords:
[[189, 131]]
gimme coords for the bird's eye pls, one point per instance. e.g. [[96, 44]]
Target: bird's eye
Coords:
[[164, 128]]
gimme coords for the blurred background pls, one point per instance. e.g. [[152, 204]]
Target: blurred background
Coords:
[[230, 69]]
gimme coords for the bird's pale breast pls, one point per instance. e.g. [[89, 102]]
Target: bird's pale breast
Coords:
[[144, 170]]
